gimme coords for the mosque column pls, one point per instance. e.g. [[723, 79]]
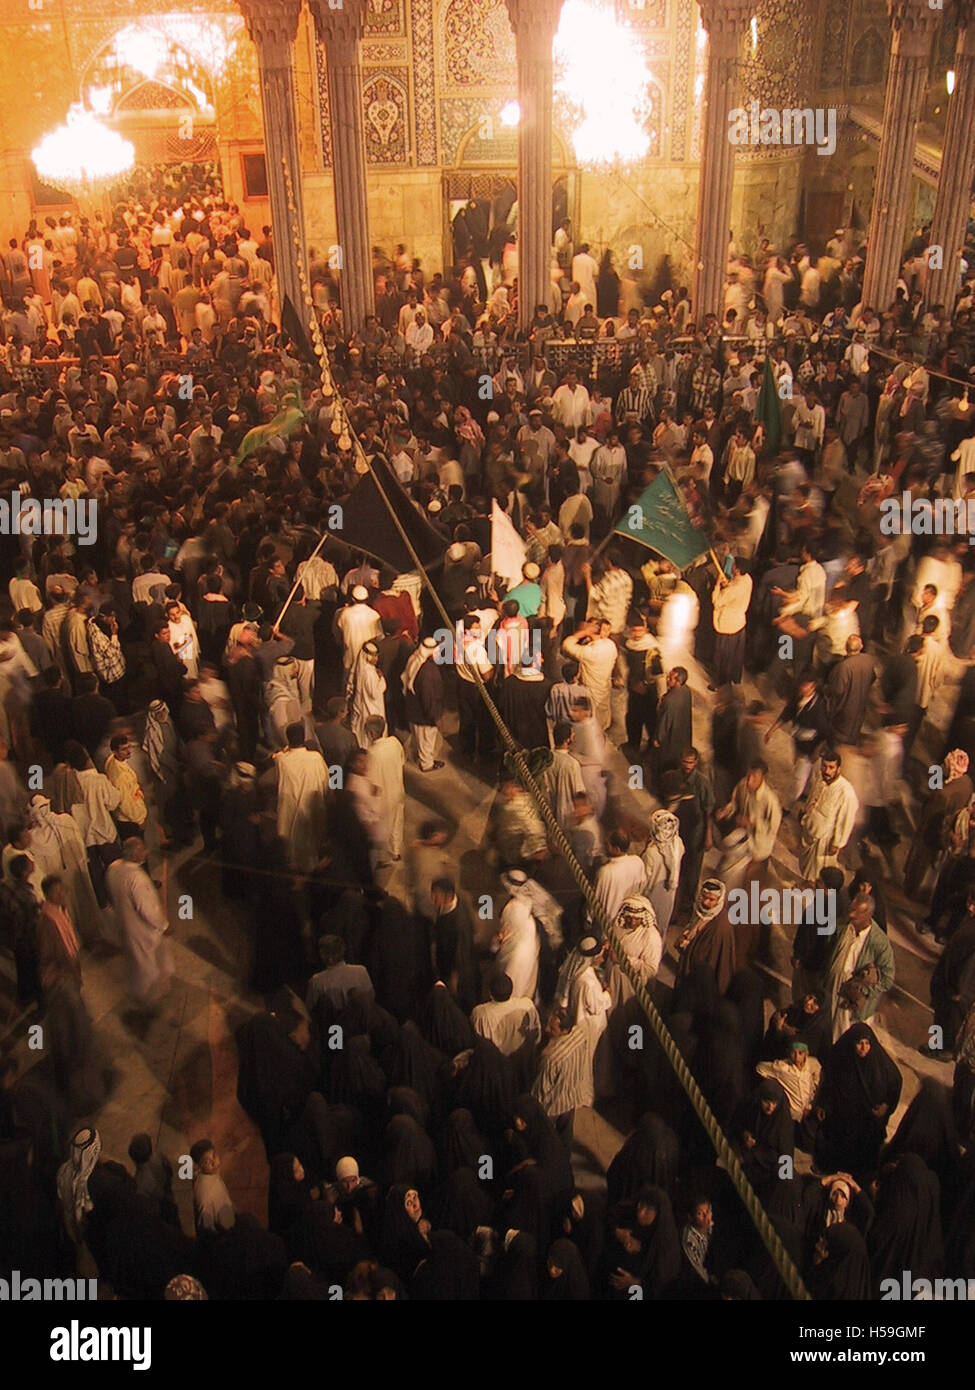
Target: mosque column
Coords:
[[534, 23], [913, 24], [726, 22], [272, 25], [957, 167], [340, 29]]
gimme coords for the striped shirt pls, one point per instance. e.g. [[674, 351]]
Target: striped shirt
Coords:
[[610, 598], [636, 401], [564, 1079]]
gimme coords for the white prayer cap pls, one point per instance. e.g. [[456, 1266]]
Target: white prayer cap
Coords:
[[589, 946], [531, 570], [360, 594], [456, 551], [346, 1168]]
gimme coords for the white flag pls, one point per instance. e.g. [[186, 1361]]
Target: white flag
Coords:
[[507, 547]]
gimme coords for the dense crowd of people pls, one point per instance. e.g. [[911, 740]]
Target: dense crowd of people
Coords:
[[203, 676]]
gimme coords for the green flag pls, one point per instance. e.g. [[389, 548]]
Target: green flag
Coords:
[[660, 520], [290, 417], [768, 411]]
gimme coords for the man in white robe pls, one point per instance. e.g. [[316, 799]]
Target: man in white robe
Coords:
[[757, 815], [354, 625], [518, 946], [580, 991], [589, 748], [598, 657], [528, 907], [621, 877], [641, 943], [385, 761], [302, 784], [366, 693], [142, 919], [505, 1019], [662, 859], [57, 847], [367, 802], [829, 817]]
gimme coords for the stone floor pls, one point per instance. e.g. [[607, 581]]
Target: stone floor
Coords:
[[176, 1076]]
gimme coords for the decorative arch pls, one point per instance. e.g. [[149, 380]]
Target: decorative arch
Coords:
[[143, 69], [473, 149], [868, 60]]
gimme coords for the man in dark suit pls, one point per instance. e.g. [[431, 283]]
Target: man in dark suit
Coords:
[[674, 723], [539, 382]]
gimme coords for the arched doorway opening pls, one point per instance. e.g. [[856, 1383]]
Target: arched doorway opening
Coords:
[[486, 174], [157, 89]]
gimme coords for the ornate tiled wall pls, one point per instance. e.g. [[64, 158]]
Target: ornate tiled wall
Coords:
[[458, 57]]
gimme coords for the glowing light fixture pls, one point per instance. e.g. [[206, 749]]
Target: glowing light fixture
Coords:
[[754, 30], [82, 156], [608, 117], [950, 80], [100, 100], [141, 49], [510, 114]]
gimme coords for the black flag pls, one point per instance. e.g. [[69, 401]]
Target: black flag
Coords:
[[367, 524], [293, 325]]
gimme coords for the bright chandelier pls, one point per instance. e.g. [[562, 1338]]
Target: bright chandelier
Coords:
[[608, 115], [82, 156]]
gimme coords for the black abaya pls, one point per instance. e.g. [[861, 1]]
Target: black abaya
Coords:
[[450, 1273], [409, 1155], [845, 1273], [403, 1245], [572, 1284], [657, 1264], [927, 1129], [850, 1135], [444, 1023], [464, 1204], [906, 1233], [287, 1198], [650, 1155], [398, 959], [764, 1139], [463, 1145], [413, 1062]]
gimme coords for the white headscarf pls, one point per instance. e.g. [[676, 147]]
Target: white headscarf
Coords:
[[545, 909], [956, 764], [422, 654], [73, 1175], [575, 965], [664, 828], [154, 742], [635, 914], [367, 650], [834, 1217], [706, 914]]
